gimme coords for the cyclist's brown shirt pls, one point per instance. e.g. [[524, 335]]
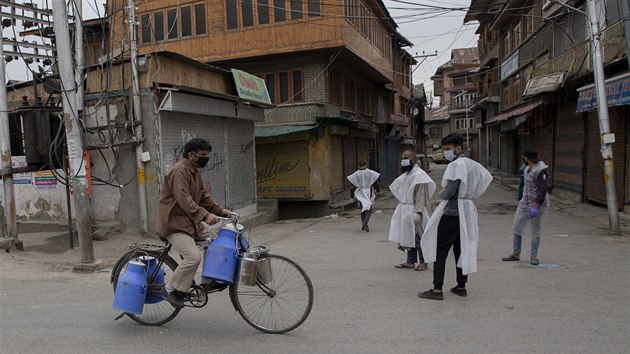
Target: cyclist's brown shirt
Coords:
[[184, 201]]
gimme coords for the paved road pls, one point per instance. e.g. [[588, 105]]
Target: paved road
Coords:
[[362, 303]]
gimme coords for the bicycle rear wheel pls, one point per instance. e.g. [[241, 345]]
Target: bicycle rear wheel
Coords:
[[279, 306], [157, 310]]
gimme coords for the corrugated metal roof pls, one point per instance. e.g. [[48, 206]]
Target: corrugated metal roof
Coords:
[[263, 132]]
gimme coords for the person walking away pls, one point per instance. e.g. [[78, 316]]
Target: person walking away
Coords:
[[413, 189], [183, 205], [363, 179], [454, 222], [532, 206]]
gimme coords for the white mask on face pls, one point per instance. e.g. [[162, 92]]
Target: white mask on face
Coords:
[[405, 162], [449, 155]]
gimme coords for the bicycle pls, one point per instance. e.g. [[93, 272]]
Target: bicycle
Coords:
[[276, 305]]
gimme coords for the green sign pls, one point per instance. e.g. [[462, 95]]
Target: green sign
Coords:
[[250, 87]]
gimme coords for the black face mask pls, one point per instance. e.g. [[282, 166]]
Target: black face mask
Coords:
[[203, 161]]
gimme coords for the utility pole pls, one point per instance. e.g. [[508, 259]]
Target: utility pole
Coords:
[[74, 139], [607, 139], [137, 114], [6, 166], [465, 98], [78, 53]]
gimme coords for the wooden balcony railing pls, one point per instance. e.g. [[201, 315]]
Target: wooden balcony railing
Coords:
[[577, 61]]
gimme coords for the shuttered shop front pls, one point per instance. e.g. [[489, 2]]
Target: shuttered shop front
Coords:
[[178, 128], [282, 170], [336, 158], [595, 186], [241, 163], [349, 159], [568, 166]]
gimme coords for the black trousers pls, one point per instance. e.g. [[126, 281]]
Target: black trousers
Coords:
[[447, 237], [413, 253]]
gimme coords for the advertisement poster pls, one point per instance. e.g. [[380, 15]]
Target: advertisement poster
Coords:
[[44, 179]]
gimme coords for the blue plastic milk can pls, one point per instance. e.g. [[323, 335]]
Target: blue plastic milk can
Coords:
[[131, 289], [221, 261]]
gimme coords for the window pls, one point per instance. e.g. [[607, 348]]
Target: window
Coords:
[[173, 30], [516, 92], [284, 86], [186, 22], [158, 22], [435, 133], [516, 36], [231, 14], [464, 123], [506, 44], [505, 96], [200, 19], [297, 82], [314, 8], [348, 93], [296, 10], [459, 81], [334, 88], [146, 28], [279, 11], [247, 13], [270, 79], [263, 12]]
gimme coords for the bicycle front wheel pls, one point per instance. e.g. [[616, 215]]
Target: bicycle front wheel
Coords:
[[157, 310], [280, 305]]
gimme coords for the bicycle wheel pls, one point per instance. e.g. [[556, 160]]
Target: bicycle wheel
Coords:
[[280, 305], [157, 311]]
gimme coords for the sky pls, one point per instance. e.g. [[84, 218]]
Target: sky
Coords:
[[429, 24], [440, 31]]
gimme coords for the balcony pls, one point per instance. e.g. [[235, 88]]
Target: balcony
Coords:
[[462, 103], [577, 60]]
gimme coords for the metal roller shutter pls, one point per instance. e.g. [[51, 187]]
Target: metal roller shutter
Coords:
[[349, 159], [568, 167], [595, 187], [178, 128], [241, 163], [336, 156], [282, 170]]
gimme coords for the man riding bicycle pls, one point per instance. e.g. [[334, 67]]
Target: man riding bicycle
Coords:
[[184, 204]]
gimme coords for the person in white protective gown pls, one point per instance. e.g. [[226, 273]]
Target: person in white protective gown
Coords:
[[363, 179], [413, 189], [454, 222]]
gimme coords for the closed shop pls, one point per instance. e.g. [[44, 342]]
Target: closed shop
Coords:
[[178, 128], [282, 170], [507, 162], [568, 166], [336, 164], [363, 150], [595, 187], [389, 158], [349, 159], [495, 146], [241, 163]]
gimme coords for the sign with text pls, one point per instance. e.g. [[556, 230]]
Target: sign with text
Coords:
[[250, 87], [509, 65], [617, 94], [44, 179]]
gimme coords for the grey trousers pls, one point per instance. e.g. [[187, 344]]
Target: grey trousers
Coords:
[[183, 276]]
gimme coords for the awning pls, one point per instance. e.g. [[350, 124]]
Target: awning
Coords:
[[546, 83], [264, 132], [398, 119], [514, 112], [617, 94]]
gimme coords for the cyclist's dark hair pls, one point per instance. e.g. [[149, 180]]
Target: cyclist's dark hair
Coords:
[[196, 144], [453, 138]]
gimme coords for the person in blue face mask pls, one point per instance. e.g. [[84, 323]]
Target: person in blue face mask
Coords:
[[413, 189], [454, 222]]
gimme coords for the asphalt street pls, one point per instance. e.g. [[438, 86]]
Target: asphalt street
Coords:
[[580, 304]]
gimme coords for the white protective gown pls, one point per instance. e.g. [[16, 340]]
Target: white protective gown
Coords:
[[475, 179], [363, 180], [402, 228]]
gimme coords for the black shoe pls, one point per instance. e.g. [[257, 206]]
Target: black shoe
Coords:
[[174, 298], [213, 285], [459, 291], [511, 258], [366, 228], [430, 294], [534, 261]]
